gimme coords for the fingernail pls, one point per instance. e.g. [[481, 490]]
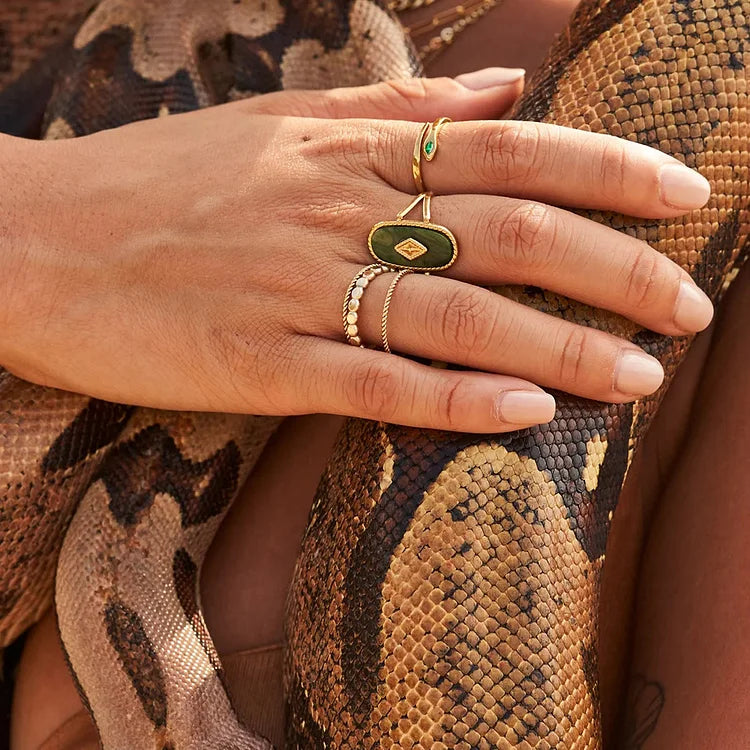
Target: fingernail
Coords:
[[524, 407], [693, 310], [488, 77], [682, 187], [637, 374]]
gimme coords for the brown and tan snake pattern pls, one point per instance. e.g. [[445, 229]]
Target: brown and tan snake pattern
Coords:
[[447, 589]]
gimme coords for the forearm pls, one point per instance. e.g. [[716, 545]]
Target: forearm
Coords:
[[36, 215], [22, 214]]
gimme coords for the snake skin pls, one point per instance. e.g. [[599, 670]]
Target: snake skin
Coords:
[[446, 593]]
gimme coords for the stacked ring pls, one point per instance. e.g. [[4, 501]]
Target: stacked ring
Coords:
[[403, 245], [426, 146], [352, 300], [418, 245], [387, 306]]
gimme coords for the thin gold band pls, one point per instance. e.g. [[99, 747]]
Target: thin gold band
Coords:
[[352, 300], [387, 306], [426, 200]]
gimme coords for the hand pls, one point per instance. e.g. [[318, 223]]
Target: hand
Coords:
[[199, 261]]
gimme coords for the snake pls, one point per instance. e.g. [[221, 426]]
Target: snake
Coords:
[[447, 587]]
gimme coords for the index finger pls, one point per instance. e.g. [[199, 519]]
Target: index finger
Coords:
[[543, 162]]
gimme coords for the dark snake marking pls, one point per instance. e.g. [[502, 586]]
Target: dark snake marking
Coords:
[[150, 463], [563, 460], [371, 559], [239, 65], [587, 23], [559, 448], [185, 576], [138, 658], [94, 428], [104, 64]]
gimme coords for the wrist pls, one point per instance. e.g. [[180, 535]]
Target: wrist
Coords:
[[24, 217]]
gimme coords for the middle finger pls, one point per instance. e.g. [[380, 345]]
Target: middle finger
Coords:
[[511, 241]]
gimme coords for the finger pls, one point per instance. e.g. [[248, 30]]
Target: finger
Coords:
[[482, 94], [442, 319], [374, 385], [543, 162], [509, 241]]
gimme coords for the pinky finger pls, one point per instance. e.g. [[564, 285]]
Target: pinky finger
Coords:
[[385, 387]]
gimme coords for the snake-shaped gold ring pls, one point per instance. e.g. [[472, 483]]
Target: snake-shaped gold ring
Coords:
[[426, 146]]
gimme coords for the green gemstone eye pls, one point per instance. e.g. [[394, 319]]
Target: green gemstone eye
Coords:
[[429, 147]]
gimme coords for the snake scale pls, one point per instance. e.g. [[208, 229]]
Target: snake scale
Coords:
[[446, 592]]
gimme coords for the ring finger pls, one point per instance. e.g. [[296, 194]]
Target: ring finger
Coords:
[[448, 320]]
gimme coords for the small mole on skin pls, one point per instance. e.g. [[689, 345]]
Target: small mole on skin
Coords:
[[306, 138]]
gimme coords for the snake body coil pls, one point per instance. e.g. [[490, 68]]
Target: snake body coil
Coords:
[[447, 588]]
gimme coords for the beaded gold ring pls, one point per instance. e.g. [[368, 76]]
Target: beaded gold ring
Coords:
[[352, 300]]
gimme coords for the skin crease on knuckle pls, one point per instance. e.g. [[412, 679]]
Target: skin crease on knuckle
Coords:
[[408, 95], [509, 154], [462, 319], [449, 405], [255, 360], [340, 147], [374, 390], [526, 234], [645, 280], [572, 354], [611, 171]]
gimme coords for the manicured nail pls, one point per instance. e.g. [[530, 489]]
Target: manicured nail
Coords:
[[524, 407], [693, 310], [637, 374], [683, 188], [488, 77]]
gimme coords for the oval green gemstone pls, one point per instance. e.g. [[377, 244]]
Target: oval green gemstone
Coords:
[[416, 246], [429, 147]]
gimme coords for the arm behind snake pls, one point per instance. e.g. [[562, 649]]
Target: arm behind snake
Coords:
[[447, 590]]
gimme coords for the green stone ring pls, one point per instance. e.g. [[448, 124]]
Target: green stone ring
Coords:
[[416, 245], [426, 147]]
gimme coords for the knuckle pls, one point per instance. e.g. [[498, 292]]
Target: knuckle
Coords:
[[642, 287], [333, 212], [527, 234], [375, 389], [465, 320], [331, 204], [348, 147], [383, 149], [575, 345], [407, 94], [613, 170], [448, 406], [511, 152]]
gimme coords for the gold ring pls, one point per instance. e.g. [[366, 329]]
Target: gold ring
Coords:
[[426, 146], [387, 306], [416, 158], [352, 300], [417, 245]]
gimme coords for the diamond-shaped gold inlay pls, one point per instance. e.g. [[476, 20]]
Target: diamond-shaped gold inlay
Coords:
[[410, 248]]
